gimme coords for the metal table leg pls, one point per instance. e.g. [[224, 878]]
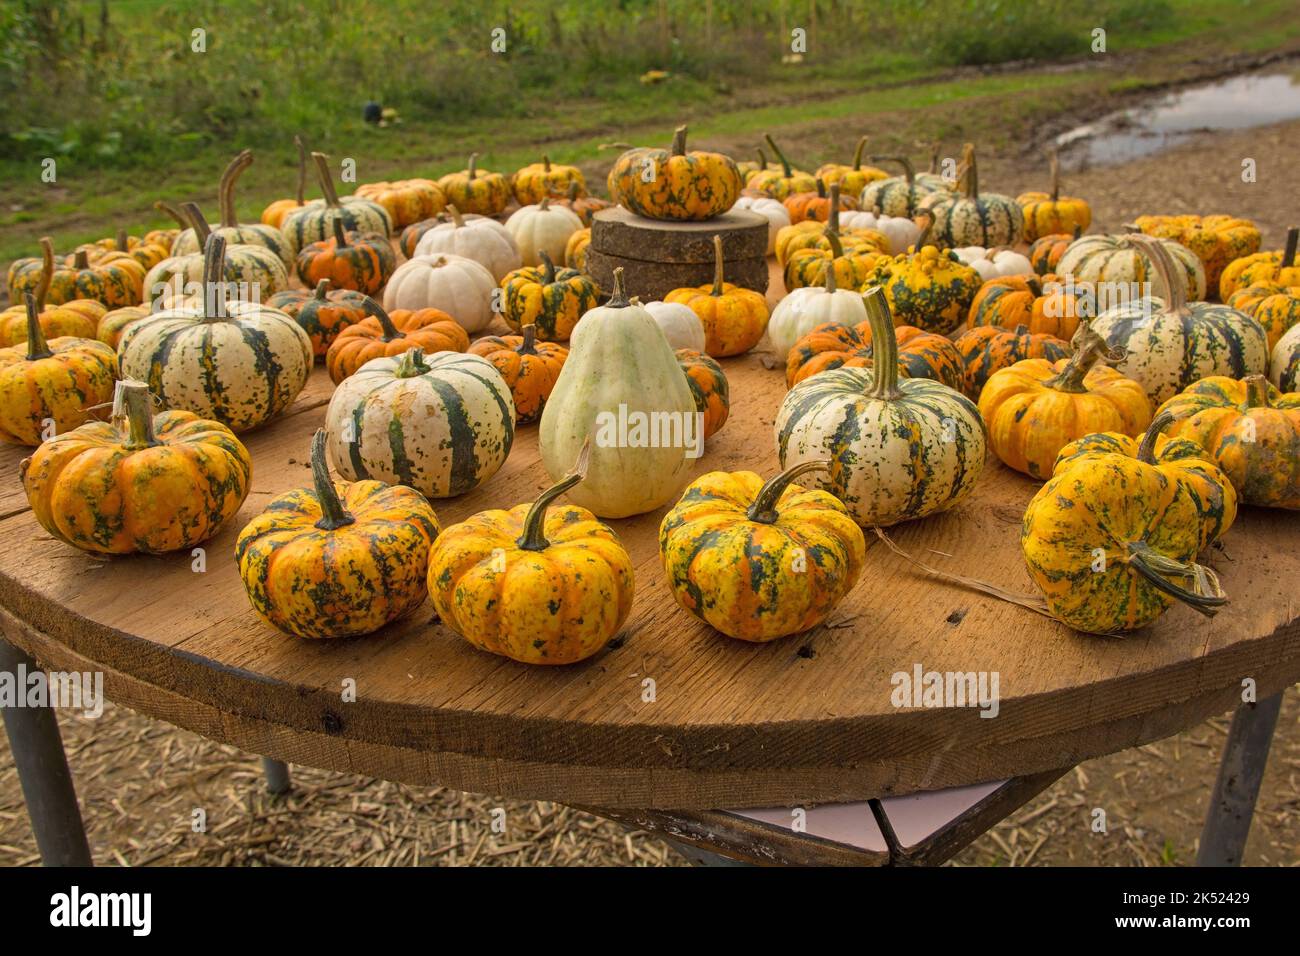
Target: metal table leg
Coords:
[[277, 775], [702, 857], [1232, 804], [43, 774]]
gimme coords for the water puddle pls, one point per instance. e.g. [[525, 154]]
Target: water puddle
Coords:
[[1240, 102]]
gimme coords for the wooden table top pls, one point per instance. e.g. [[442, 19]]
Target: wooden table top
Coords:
[[802, 720]]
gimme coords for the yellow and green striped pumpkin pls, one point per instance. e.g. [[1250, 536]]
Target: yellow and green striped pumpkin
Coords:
[[139, 482], [783, 181], [928, 287], [1215, 240], [1278, 268], [758, 561], [1111, 539], [551, 299], [673, 184], [339, 559], [1275, 307], [441, 424], [476, 190]]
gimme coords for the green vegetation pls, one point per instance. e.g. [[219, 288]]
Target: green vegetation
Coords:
[[114, 93]]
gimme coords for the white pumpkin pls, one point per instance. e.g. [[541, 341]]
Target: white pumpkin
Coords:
[[542, 227], [460, 287], [450, 412], [772, 210], [679, 323], [803, 309], [901, 232], [484, 240], [994, 263], [622, 387]]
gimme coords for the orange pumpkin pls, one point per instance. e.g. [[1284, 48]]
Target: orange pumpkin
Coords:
[[1216, 240], [529, 367], [1046, 251], [1277, 268], [817, 205], [321, 314], [734, 319], [986, 349], [921, 354], [78, 318], [1045, 304], [362, 261], [386, 334], [407, 200], [708, 385], [1275, 307]]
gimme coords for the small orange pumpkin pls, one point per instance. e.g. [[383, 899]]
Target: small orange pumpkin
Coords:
[[708, 385], [529, 367], [321, 313], [363, 261], [921, 354], [383, 334], [986, 349], [816, 205], [1045, 304], [734, 319]]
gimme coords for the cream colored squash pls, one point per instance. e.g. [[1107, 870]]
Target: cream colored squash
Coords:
[[901, 232], [542, 227], [1284, 366], [994, 263], [622, 387], [773, 210], [679, 324], [484, 240], [460, 287], [803, 309]]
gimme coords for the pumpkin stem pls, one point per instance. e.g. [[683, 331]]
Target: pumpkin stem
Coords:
[[1054, 170], [1257, 392], [1172, 291], [763, 508], [762, 159], [326, 179], [678, 147], [302, 168], [925, 230], [1206, 595], [171, 210], [455, 214], [1089, 349], [37, 347], [529, 344], [471, 168], [572, 191], [411, 364], [831, 286], [322, 287], [133, 407], [1078, 230], [837, 247], [391, 331], [821, 188], [198, 222], [618, 298], [972, 171], [717, 266], [884, 346], [780, 156], [1146, 452], [934, 157], [546, 163], [545, 202], [833, 217], [1288, 254], [548, 267], [122, 242], [533, 537], [340, 238], [909, 171], [81, 259], [226, 191], [857, 153], [47, 272], [333, 514], [214, 274]]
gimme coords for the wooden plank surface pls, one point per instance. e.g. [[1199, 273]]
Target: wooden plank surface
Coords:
[[809, 718]]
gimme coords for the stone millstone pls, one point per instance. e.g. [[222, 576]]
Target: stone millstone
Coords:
[[657, 257]]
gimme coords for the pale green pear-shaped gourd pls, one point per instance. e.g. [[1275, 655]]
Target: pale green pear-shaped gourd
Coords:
[[622, 386]]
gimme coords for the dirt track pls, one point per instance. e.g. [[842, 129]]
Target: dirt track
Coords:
[[139, 781]]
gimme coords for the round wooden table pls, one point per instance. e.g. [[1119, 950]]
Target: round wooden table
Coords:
[[671, 715]]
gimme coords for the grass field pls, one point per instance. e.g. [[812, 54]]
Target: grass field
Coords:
[[116, 95]]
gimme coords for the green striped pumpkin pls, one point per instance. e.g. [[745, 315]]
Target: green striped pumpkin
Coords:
[[255, 267], [234, 232], [900, 195], [899, 448], [314, 222], [975, 218], [240, 363], [1119, 263], [1170, 342], [441, 424]]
